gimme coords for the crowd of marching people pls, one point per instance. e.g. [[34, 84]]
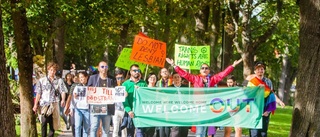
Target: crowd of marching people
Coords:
[[56, 97]]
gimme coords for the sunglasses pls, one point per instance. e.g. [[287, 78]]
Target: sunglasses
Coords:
[[119, 78], [205, 68], [136, 70], [104, 67]]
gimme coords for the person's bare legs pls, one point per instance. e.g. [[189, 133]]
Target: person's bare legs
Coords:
[[227, 131], [238, 131]]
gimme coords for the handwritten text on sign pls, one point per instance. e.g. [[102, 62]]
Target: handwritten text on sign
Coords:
[[125, 62], [148, 51], [191, 57], [103, 95]]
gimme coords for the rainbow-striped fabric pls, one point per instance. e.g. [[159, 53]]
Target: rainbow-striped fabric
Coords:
[[256, 82], [93, 68], [270, 99], [168, 84]]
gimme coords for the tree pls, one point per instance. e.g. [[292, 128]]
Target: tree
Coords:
[[7, 123], [24, 51], [282, 48], [305, 120], [253, 28]]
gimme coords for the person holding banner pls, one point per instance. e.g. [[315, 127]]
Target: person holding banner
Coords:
[[231, 82], [270, 100], [131, 85], [178, 131], [79, 107], [203, 80], [101, 80], [165, 81]]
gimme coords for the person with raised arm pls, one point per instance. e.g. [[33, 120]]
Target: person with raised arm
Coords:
[[204, 80]]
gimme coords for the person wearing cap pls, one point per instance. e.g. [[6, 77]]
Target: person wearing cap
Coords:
[[204, 80], [258, 79]]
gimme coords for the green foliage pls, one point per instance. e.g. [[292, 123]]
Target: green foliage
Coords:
[[14, 92], [285, 36], [94, 26]]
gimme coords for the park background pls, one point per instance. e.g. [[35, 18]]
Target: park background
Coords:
[[85, 32]]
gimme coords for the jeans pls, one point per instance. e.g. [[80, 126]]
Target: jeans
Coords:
[[64, 117], [81, 116], [117, 119], [201, 131], [261, 132], [164, 131], [95, 122]]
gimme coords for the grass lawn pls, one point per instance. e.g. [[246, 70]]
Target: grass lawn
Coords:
[[280, 123], [56, 133]]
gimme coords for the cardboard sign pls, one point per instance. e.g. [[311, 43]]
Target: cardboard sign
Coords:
[[149, 51], [104, 95], [191, 57], [125, 62]]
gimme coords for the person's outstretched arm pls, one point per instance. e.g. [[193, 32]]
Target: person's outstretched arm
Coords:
[[181, 72]]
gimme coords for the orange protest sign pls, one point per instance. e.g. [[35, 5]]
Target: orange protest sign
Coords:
[[148, 51]]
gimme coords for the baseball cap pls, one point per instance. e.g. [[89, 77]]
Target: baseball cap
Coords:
[[259, 64]]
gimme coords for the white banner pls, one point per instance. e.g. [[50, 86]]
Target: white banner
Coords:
[[104, 95]]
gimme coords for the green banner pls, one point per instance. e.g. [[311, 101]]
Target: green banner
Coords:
[[191, 57], [125, 62], [236, 106]]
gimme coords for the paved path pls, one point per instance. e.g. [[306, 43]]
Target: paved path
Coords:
[[220, 133]]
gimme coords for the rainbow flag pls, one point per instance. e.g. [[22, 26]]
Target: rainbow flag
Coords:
[[270, 103], [256, 81], [270, 99], [93, 68]]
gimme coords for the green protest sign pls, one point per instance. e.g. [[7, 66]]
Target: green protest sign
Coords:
[[191, 57], [199, 106], [125, 62]]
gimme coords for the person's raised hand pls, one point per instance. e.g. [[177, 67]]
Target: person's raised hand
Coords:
[[170, 61], [236, 62]]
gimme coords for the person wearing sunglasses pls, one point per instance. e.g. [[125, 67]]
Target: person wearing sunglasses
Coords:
[[101, 80], [131, 85], [204, 79], [119, 110]]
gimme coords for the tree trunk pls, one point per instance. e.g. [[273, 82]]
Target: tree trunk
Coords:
[[59, 41], [305, 120], [201, 18], [288, 75], [123, 36], [50, 44], [7, 123], [24, 50], [248, 63], [214, 37]]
